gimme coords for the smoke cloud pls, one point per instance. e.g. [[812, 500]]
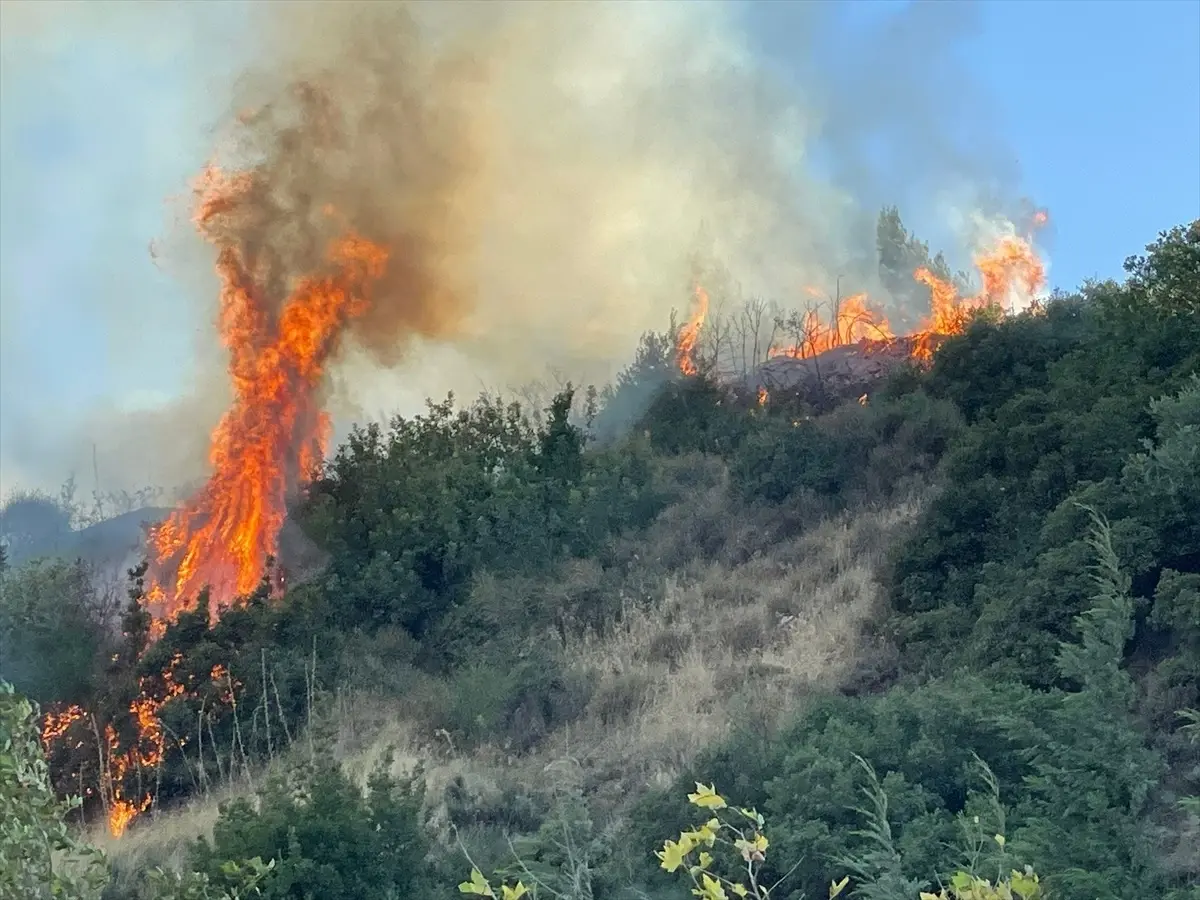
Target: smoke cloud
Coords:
[[541, 172]]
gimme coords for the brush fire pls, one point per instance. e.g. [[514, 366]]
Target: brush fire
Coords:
[[1011, 275], [275, 433], [368, 177], [280, 335], [274, 436]]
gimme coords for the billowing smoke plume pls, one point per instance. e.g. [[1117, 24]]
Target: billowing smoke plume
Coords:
[[541, 173]]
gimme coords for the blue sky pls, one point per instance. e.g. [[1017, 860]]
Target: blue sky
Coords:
[[1102, 101], [1090, 109], [1096, 103]]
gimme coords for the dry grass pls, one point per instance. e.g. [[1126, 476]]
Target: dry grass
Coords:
[[752, 614], [727, 643], [161, 840]]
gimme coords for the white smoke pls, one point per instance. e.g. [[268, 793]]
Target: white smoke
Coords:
[[609, 135]]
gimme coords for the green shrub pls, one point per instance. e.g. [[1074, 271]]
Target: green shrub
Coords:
[[39, 858], [53, 623], [325, 836], [513, 700]]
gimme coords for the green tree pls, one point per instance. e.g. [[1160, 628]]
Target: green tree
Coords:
[[900, 254], [53, 626], [1166, 277], [39, 859]]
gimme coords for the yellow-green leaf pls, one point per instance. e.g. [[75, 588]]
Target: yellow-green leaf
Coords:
[[711, 889], [836, 887], [477, 885], [516, 892], [671, 855], [1026, 885], [706, 797]]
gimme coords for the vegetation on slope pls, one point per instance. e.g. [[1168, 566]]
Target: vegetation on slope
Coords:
[[996, 559]]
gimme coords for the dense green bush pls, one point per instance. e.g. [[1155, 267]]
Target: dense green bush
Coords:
[[1058, 406], [327, 837], [856, 453], [411, 517], [514, 700], [55, 623]]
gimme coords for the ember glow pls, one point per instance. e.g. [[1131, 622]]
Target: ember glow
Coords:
[[274, 432]]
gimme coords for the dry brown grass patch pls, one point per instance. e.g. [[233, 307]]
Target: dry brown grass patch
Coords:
[[728, 642]]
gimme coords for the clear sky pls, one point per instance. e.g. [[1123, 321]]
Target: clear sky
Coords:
[[1103, 105], [1095, 105]]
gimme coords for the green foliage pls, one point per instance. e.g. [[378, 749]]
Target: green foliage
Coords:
[[53, 622], [241, 881], [567, 857], [1096, 661], [636, 386], [1075, 767], [413, 516], [325, 837], [857, 453], [1165, 278], [694, 414], [514, 700], [38, 856], [900, 253], [1058, 407], [701, 851]]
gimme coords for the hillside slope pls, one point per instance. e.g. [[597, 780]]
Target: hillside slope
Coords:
[[996, 559]]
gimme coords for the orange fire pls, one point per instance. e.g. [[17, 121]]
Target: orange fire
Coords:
[[689, 334], [147, 752], [56, 723], [1012, 274], [275, 431], [853, 322]]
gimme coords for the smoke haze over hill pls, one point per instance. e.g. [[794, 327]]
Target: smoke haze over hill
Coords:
[[541, 214]]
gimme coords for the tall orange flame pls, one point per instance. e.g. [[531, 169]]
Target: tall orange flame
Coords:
[[689, 334], [275, 431]]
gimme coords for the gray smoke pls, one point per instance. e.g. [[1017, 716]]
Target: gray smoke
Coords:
[[547, 170]]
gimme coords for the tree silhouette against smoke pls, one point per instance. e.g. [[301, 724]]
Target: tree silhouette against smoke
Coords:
[[900, 254]]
